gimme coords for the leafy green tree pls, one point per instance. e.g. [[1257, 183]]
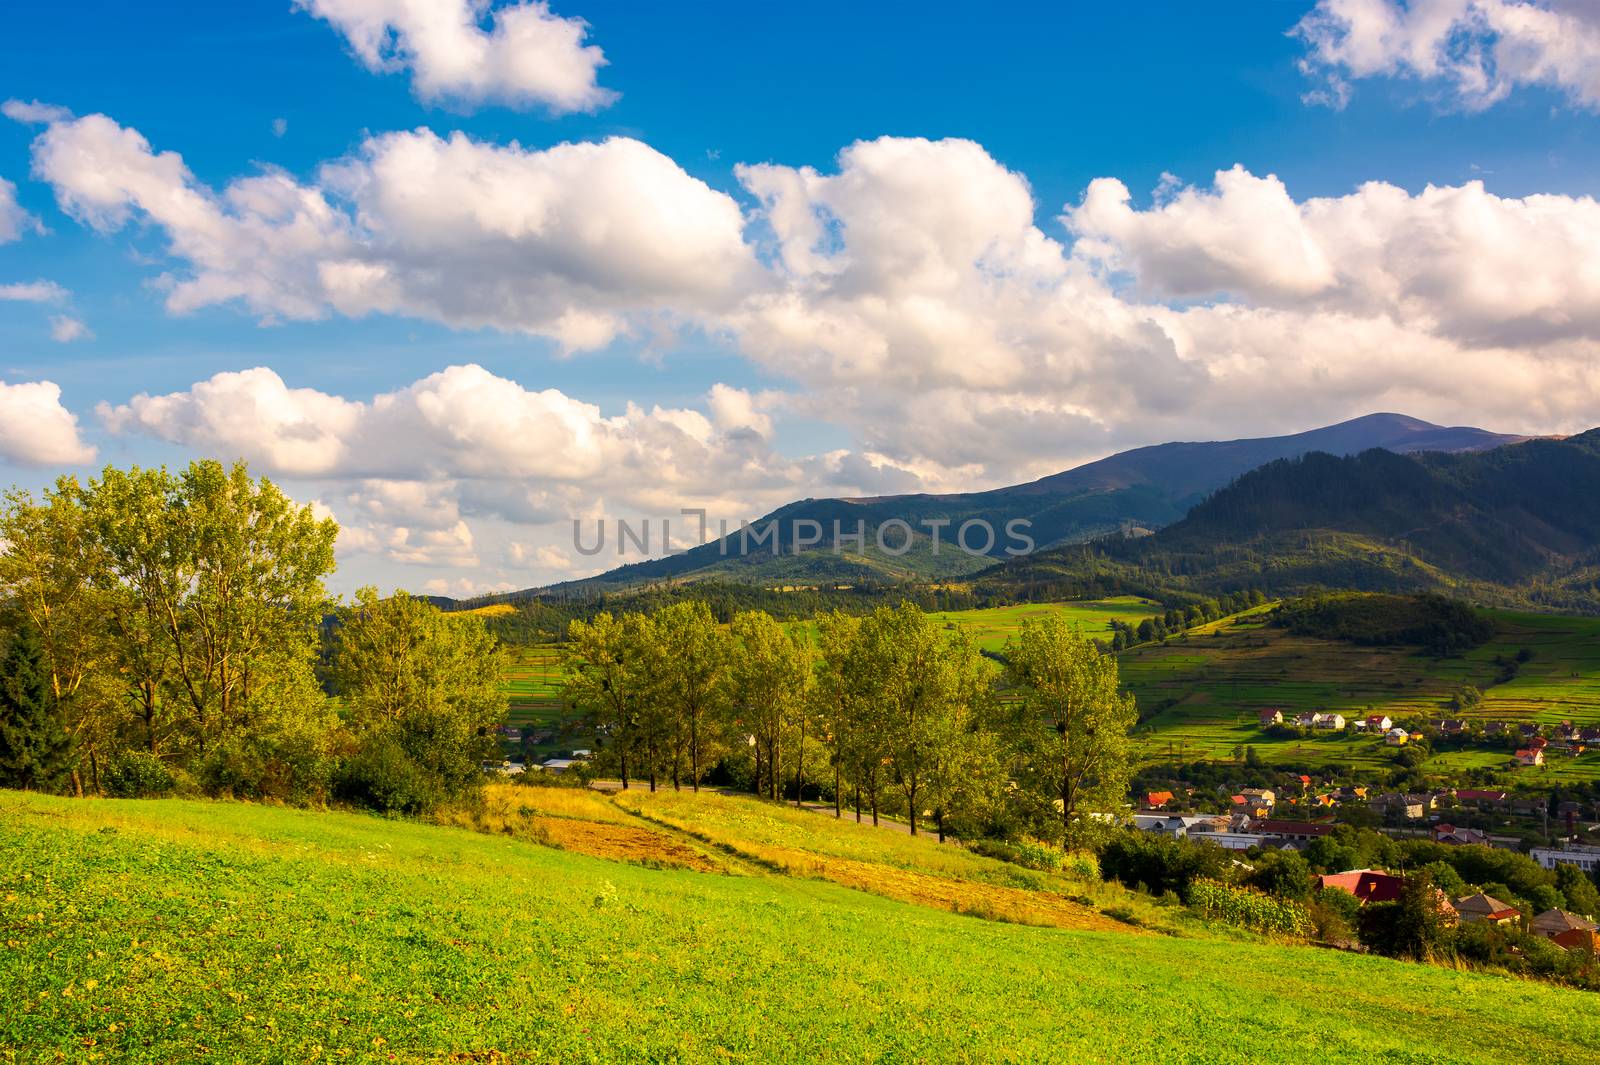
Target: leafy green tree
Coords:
[[925, 681], [837, 703], [771, 678], [246, 586], [612, 680], [1072, 726], [1282, 873], [1579, 891], [427, 684], [694, 656], [35, 746]]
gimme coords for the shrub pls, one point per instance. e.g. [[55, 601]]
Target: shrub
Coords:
[[383, 776], [136, 775], [1249, 908], [1334, 913], [1160, 863]]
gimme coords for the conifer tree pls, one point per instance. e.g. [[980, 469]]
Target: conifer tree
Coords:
[[36, 751]]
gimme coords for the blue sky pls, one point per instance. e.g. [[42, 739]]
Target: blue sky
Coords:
[[1210, 289]]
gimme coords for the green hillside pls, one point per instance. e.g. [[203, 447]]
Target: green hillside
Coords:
[[170, 930], [1199, 694]]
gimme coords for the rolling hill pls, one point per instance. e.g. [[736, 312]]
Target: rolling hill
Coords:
[[172, 930], [1142, 489], [1516, 524]]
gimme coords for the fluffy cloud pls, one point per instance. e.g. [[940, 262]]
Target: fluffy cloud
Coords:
[[574, 242], [1457, 262], [527, 56], [498, 447], [64, 329], [36, 430], [1477, 50], [14, 221], [33, 292]]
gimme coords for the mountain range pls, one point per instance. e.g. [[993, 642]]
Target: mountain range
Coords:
[[1132, 492]]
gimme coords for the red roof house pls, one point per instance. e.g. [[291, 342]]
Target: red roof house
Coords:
[[1368, 885]]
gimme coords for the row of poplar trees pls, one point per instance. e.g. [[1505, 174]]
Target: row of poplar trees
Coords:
[[888, 712]]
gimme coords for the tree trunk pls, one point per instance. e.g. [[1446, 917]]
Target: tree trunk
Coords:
[[858, 804], [838, 795], [652, 781], [800, 770], [939, 815], [622, 757], [911, 808]]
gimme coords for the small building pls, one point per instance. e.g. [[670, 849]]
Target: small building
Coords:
[[1586, 859], [1368, 885], [1481, 908], [559, 765], [1379, 722], [1579, 941], [1479, 797], [1552, 923], [1260, 796], [1269, 717], [1305, 720], [1396, 737], [1460, 837], [1298, 831], [1530, 756], [1328, 722], [1157, 800]]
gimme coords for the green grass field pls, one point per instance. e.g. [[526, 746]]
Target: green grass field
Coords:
[[163, 931], [1205, 689], [991, 628]]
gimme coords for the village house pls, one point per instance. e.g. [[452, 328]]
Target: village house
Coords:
[[1295, 831], [1403, 807], [1396, 737], [1305, 720], [1328, 722], [1579, 941], [1480, 798], [1269, 718], [1157, 800], [1530, 756], [1552, 923], [1261, 796], [1379, 722], [1449, 726], [1460, 837], [1475, 909], [1368, 885]]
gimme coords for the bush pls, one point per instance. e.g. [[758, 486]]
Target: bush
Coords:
[[1160, 863], [1417, 926], [383, 777], [136, 775], [1028, 853], [1334, 913], [290, 766]]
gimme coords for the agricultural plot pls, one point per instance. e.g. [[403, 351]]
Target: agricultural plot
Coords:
[[992, 627], [533, 688], [163, 930], [1199, 694]]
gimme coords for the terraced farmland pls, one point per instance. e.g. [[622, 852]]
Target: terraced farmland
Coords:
[[1199, 694], [533, 684]]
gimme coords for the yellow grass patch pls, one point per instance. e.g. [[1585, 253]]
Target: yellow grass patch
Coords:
[[990, 901]]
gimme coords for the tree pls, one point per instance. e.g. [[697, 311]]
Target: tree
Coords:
[[1073, 724], [925, 683], [837, 700], [694, 660], [423, 681], [771, 679], [1580, 892], [611, 679], [244, 584], [35, 746], [46, 564]]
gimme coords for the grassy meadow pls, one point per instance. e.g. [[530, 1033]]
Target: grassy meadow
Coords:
[[1203, 690], [155, 931]]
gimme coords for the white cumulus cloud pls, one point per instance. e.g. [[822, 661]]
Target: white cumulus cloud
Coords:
[[465, 52], [36, 430], [1476, 51], [575, 242], [14, 221]]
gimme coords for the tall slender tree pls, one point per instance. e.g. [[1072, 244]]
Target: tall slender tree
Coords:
[[1072, 723], [771, 678], [694, 674]]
